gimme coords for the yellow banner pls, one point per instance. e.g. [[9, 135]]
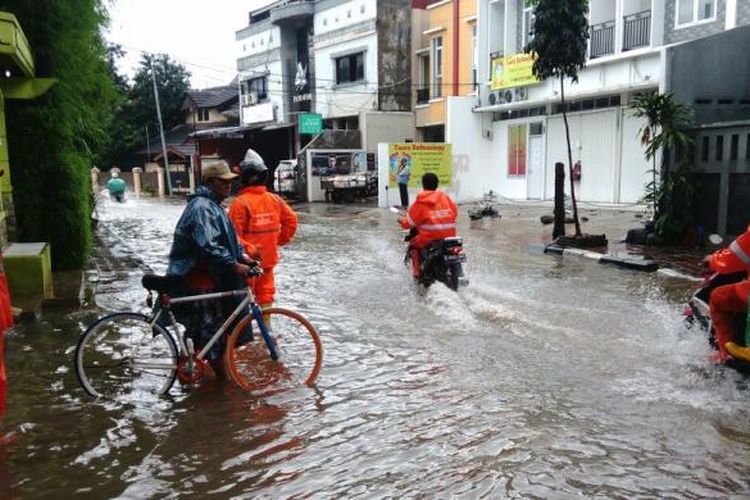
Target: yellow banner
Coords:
[[512, 71], [408, 162]]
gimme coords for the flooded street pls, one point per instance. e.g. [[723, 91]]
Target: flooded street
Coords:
[[545, 377]]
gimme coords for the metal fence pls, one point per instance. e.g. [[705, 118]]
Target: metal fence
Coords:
[[602, 39], [637, 30], [721, 158]]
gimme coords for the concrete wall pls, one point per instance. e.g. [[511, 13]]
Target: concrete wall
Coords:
[[378, 126], [343, 15], [474, 171], [673, 34], [268, 39], [394, 55], [347, 99], [709, 69], [743, 13]]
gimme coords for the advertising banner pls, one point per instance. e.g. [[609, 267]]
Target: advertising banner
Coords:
[[512, 71], [327, 163], [409, 161], [517, 150]]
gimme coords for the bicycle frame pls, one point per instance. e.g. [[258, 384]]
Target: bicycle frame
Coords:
[[249, 300]]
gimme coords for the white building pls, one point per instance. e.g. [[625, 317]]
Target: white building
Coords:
[[341, 59], [510, 138]]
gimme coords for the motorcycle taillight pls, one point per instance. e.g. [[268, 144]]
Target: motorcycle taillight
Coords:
[[456, 250]]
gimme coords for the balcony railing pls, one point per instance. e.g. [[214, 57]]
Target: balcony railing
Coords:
[[423, 95], [602, 39], [637, 28]]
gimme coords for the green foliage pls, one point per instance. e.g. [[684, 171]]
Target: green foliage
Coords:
[[53, 140], [173, 81], [675, 197], [561, 32], [136, 106], [670, 195]]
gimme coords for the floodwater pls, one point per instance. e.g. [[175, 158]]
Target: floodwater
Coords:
[[546, 377]]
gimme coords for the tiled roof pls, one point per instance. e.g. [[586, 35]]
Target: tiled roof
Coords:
[[211, 98]]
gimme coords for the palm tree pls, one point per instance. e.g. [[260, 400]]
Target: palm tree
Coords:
[[667, 120]]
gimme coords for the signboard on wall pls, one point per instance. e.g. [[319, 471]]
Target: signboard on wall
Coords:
[[408, 162], [310, 123], [511, 71], [325, 163]]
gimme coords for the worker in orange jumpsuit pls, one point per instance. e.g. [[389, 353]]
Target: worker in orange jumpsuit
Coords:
[[6, 321], [729, 300], [264, 222], [433, 214]]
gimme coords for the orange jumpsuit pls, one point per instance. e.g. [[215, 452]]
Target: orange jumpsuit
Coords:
[[6, 321], [434, 215], [263, 222], [728, 300]]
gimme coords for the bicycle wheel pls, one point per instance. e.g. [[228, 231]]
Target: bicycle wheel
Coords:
[[300, 350], [123, 357]]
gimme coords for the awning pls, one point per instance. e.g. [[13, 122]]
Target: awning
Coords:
[[237, 132]]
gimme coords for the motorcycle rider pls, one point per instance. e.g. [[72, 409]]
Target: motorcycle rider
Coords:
[[728, 300], [433, 214], [264, 222]]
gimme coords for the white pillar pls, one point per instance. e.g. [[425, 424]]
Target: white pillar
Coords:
[[160, 181], [731, 18], [95, 180], [137, 171]]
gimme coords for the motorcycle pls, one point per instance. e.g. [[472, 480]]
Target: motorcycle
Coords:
[[697, 314], [440, 261]]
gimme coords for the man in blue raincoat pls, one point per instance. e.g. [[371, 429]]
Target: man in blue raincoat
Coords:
[[208, 256]]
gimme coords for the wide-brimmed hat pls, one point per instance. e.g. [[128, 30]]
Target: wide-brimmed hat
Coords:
[[217, 168]]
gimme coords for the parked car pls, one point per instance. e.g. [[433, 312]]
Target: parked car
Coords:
[[285, 177]]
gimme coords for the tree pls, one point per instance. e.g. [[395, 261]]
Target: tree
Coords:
[[668, 193], [53, 140], [666, 122], [173, 82], [560, 40]]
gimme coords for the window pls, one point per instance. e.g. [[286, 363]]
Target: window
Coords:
[[350, 68], [258, 87], [202, 114], [517, 150], [437, 66], [528, 26], [694, 11], [474, 57]]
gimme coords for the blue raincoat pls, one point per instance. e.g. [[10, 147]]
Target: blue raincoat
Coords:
[[204, 232]]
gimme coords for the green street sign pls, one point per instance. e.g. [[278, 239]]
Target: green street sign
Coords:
[[310, 123]]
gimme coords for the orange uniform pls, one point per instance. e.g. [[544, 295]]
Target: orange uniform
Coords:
[[729, 300], [263, 222], [434, 215]]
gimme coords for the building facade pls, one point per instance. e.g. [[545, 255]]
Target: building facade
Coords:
[[341, 59], [511, 134], [445, 61]]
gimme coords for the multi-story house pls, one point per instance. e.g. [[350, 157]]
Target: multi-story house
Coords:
[[512, 132], [342, 59], [444, 43]]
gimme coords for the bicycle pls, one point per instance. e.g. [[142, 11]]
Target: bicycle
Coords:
[[124, 354]]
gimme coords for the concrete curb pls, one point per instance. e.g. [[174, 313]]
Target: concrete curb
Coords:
[[648, 266]]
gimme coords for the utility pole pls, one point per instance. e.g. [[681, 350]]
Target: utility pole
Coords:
[[161, 129], [148, 145]]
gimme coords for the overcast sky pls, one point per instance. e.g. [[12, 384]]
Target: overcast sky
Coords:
[[197, 33]]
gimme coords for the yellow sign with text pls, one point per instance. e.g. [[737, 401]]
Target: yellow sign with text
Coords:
[[512, 71], [408, 162]]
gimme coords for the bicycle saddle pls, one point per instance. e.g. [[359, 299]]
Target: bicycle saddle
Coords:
[[160, 283]]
